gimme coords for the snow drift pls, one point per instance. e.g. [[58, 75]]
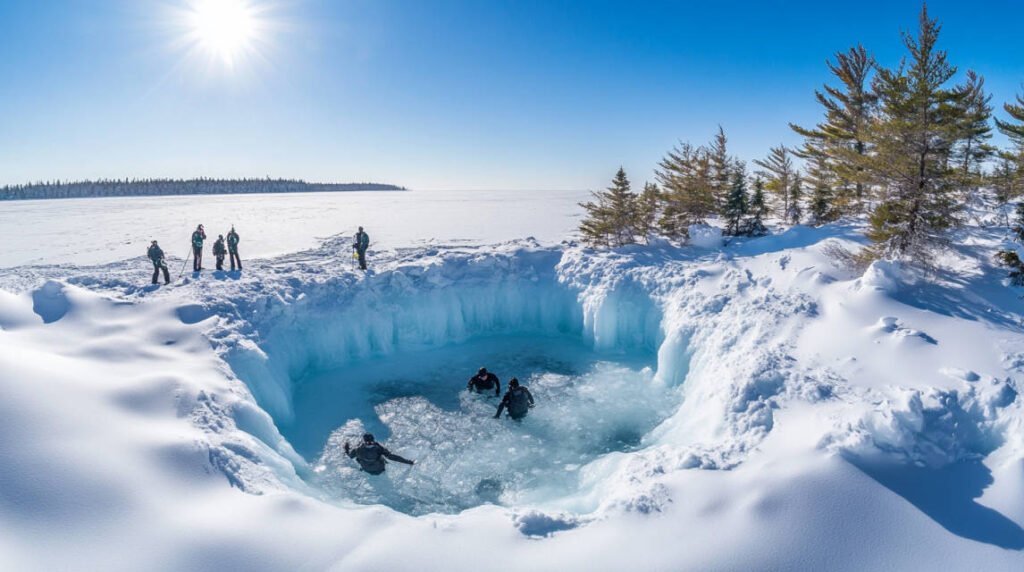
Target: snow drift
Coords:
[[788, 402]]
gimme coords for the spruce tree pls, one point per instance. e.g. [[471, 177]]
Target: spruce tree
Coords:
[[610, 218], [778, 170], [919, 124], [821, 205], [796, 196], [736, 208], [973, 149], [647, 211], [757, 210], [721, 169], [685, 176], [843, 136]]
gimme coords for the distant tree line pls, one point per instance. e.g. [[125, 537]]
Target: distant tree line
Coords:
[[904, 146], [164, 187]]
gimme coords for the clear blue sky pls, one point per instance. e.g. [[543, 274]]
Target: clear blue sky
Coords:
[[440, 93]]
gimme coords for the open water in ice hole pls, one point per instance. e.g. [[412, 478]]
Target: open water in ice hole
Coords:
[[588, 405]]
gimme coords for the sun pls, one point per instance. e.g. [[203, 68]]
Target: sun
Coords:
[[225, 30]]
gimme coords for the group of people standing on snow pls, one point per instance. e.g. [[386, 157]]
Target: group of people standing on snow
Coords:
[[372, 456], [229, 247], [221, 248]]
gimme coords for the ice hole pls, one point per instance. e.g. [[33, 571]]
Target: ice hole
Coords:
[[588, 405]]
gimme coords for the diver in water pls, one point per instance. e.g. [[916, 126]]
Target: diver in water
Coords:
[[518, 401], [371, 455], [484, 381]]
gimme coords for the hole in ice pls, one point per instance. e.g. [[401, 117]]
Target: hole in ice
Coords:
[[588, 405]]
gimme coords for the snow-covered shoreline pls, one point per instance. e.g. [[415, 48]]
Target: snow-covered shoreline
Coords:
[[139, 416]]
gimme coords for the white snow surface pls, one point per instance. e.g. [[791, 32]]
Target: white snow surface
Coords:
[[820, 418]]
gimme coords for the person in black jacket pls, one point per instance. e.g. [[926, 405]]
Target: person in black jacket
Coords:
[[371, 455], [484, 381], [197, 248], [360, 243], [233, 249], [219, 251], [518, 401], [156, 254]]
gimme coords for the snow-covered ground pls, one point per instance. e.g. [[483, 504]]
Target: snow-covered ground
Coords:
[[99, 230], [747, 406]]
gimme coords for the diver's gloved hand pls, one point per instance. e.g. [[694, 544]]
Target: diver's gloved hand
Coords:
[[531, 406], [497, 415], [347, 448]]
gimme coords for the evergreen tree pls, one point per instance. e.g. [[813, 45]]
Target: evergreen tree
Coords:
[[685, 175], [736, 208], [721, 169], [1014, 130], [843, 136], [778, 170], [610, 219], [757, 209], [821, 205], [919, 124], [647, 210], [1013, 263], [973, 149], [1018, 223], [796, 196], [1006, 184]]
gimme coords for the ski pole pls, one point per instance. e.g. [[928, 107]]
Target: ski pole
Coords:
[[187, 257]]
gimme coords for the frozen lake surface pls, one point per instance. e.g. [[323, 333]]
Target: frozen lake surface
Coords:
[[98, 230]]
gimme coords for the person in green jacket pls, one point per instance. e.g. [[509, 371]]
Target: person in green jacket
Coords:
[[156, 254], [361, 243], [197, 248], [233, 249], [219, 251]]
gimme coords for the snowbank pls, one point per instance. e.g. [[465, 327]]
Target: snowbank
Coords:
[[143, 417]]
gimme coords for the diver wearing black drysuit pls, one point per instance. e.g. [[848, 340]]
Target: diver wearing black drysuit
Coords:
[[484, 381], [370, 455], [518, 401]]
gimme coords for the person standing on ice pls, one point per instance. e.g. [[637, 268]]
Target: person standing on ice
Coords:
[[197, 248], [371, 455], [156, 254], [361, 243], [233, 249], [484, 381], [518, 400], [219, 251]]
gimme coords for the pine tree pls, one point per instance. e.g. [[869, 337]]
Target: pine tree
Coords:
[[778, 170], [843, 136], [1006, 183], [918, 126], [821, 205], [685, 175], [647, 211], [736, 208], [796, 196], [721, 169], [1018, 223], [757, 209], [973, 149], [609, 221], [1015, 132]]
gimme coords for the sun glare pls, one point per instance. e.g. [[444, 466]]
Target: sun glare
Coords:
[[225, 30]]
